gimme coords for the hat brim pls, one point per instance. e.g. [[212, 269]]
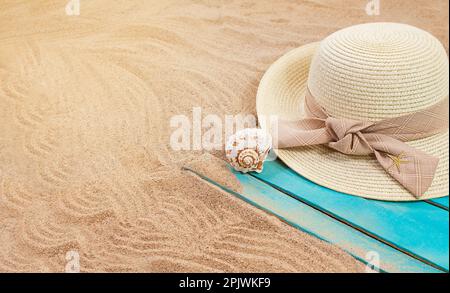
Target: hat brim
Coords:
[[281, 93]]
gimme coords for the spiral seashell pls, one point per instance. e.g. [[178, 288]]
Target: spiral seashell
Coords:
[[248, 158], [247, 149]]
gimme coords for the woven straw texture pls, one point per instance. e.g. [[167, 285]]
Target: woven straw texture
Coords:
[[367, 72]]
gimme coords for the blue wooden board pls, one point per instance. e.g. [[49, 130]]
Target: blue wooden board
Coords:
[[320, 225], [416, 228]]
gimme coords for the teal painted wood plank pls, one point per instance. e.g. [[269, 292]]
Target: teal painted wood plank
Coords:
[[418, 228], [316, 223], [443, 201]]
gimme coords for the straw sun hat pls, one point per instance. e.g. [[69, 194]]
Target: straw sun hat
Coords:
[[368, 72]]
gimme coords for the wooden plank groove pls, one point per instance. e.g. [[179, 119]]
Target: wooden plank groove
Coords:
[[440, 202], [316, 223], [416, 228]]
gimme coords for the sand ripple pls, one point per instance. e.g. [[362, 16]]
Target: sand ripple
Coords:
[[85, 104]]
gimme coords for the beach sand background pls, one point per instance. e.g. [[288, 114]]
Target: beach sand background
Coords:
[[85, 105]]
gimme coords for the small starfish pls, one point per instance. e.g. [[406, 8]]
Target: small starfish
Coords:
[[397, 161]]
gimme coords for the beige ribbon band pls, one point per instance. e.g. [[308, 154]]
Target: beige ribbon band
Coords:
[[411, 167]]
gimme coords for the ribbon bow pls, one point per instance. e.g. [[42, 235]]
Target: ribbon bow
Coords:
[[411, 167]]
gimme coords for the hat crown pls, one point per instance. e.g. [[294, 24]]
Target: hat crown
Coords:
[[376, 71]]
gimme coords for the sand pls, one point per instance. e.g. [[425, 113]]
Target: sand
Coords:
[[85, 104]]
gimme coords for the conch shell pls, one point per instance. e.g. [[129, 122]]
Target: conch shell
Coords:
[[247, 149]]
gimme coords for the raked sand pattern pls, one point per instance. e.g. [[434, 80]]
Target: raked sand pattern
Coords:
[[85, 104]]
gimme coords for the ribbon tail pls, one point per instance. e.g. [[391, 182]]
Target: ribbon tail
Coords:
[[412, 168]]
